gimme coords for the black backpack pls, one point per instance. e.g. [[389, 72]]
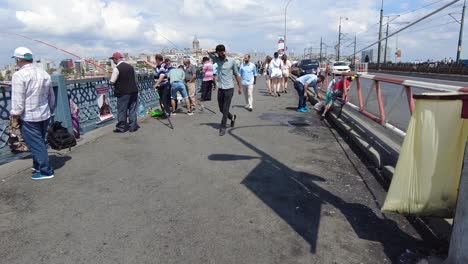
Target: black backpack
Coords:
[[59, 138]]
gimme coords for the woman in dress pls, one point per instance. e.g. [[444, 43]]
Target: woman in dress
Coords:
[[266, 72], [286, 70], [276, 74]]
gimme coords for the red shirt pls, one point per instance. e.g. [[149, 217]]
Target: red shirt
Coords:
[[339, 85]]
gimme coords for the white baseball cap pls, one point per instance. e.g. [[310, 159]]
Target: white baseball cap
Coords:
[[23, 53]]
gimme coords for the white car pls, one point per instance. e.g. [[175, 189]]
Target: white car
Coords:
[[340, 67]]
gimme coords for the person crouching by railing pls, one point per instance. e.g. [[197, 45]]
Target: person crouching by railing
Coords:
[[336, 91], [302, 84]]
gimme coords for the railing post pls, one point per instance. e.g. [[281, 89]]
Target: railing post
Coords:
[[409, 95], [459, 240], [359, 93], [62, 107], [380, 101]]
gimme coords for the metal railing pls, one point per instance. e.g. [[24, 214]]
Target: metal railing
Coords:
[[389, 99], [83, 93]]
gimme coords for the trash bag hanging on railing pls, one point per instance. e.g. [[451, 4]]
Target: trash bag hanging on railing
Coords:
[[427, 174]]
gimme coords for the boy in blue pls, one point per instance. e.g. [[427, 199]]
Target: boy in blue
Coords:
[[302, 84]]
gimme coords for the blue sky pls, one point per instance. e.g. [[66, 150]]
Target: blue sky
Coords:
[[96, 28]]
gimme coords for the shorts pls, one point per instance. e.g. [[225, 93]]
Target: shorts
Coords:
[[285, 73], [178, 87]]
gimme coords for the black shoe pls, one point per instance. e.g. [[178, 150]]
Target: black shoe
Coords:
[[322, 117], [119, 131], [279, 94], [222, 132], [250, 109], [233, 120], [134, 129]]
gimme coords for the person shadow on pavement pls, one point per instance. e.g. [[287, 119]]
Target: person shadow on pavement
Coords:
[[297, 198]]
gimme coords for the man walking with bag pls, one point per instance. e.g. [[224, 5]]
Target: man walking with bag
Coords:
[[227, 70], [32, 103], [126, 91]]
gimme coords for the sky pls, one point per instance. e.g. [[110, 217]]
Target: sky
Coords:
[[97, 28]]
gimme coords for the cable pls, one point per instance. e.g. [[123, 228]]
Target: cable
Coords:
[[421, 29], [419, 8]]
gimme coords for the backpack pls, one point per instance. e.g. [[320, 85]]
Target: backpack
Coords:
[[59, 138]]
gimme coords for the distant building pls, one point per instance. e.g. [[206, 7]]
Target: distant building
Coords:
[[196, 44], [66, 64]]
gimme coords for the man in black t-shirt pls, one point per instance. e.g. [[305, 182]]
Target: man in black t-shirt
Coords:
[[126, 91]]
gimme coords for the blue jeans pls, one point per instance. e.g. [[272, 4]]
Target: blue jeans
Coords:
[[126, 108], [34, 134], [178, 87], [300, 90]]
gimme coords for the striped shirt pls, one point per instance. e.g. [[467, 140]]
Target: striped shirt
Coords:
[[161, 69], [208, 72], [32, 95]]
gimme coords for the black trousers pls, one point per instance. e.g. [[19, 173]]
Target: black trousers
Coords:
[[207, 86], [164, 92], [224, 102]]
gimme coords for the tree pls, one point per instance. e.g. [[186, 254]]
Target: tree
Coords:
[[1, 77]]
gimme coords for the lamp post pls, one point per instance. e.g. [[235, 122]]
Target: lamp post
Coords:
[[285, 11], [379, 51], [339, 39]]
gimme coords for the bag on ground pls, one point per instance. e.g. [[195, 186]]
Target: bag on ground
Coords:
[[59, 138]]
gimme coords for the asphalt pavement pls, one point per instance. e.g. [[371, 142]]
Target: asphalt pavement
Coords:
[[279, 187]]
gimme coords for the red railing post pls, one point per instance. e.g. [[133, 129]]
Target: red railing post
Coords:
[[359, 94], [409, 95], [380, 101]]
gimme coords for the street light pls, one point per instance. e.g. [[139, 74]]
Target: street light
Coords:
[[285, 10], [339, 39]]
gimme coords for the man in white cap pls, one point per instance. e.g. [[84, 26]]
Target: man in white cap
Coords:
[[33, 102]]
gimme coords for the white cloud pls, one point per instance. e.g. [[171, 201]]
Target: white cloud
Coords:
[[97, 27]]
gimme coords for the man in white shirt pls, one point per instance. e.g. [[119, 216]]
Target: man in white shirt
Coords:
[[33, 102], [248, 73]]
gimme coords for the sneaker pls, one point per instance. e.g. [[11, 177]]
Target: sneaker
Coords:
[[322, 117], [34, 170], [39, 176], [233, 120], [298, 110], [202, 108], [190, 113], [306, 108], [173, 114], [303, 110], [222, 132]]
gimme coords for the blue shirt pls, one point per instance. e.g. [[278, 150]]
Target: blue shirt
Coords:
[[248, 73], [227, 71], [215, 68], [310, 79]]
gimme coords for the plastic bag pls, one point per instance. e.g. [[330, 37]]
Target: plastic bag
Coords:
[[427, 174]]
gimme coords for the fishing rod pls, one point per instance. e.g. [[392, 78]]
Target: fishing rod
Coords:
[[57, 48]]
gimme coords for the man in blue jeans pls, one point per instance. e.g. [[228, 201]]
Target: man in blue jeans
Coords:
[[33, 102], [126, 91], [302, 84], [176, 79]]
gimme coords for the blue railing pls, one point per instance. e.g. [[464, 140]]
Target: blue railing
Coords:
[[83, 93]]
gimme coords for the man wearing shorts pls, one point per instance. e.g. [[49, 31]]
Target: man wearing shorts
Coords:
[[176, 78], [190, 79]]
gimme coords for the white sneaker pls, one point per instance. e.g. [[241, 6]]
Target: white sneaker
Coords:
[[190, 113]]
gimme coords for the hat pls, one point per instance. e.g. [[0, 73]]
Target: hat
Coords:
[[23, 53], [116, 55]]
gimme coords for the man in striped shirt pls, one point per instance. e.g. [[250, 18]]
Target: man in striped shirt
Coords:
[[33, 102]]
